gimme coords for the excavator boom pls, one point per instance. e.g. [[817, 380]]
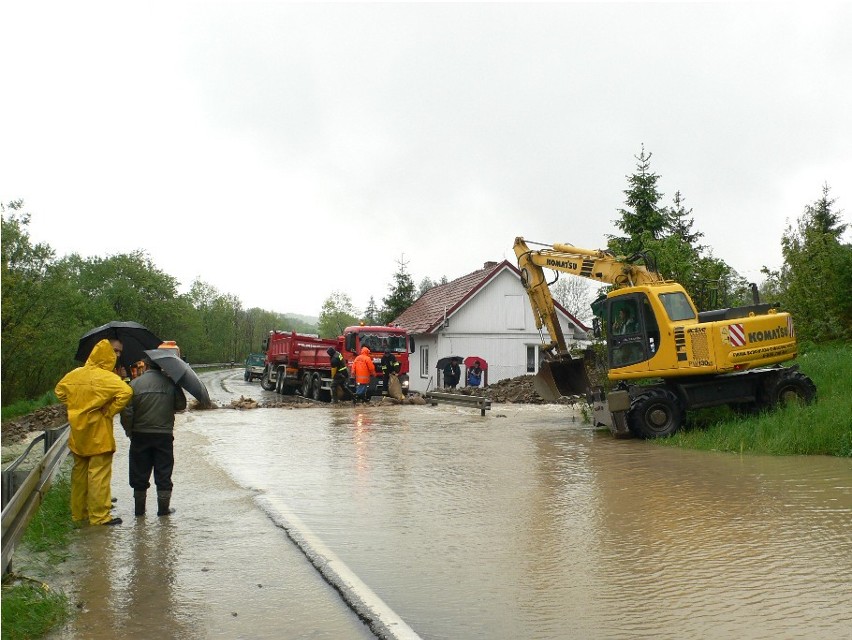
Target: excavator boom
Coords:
[[561, 375]]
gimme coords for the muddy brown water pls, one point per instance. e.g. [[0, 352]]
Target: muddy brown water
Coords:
[[525, 523]]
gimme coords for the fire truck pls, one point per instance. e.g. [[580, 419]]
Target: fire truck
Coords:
[[299, 363]]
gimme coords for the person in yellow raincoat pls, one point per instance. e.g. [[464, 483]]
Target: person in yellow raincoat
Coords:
[[94, 394]]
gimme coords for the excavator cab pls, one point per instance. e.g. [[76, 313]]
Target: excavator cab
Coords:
[[632, 334]]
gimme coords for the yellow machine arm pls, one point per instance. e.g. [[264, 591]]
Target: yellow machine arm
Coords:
[[594, 264]]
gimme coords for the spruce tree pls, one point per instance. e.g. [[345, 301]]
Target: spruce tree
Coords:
[[666, 236], [402, 294], [371, 313], [816, 270], [644, 220]]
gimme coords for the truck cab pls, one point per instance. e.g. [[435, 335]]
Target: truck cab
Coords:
[[380, 340]]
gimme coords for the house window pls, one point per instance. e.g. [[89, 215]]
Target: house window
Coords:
[[514, 309], [531, 358], [424, 362]]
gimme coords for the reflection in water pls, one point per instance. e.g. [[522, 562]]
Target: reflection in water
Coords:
[[129, 588], [151, 583], [528, 526]]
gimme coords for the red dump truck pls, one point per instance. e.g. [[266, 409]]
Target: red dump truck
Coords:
[[298, 363]]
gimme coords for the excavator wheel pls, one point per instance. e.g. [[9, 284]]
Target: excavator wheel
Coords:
[[655, 414], [790, 386]]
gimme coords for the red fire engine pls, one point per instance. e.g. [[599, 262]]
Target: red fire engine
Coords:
[[297, 363]]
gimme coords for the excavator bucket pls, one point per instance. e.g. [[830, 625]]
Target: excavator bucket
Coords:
[[558, 378]]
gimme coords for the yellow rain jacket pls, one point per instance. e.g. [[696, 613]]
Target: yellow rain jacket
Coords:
[[93, 395]]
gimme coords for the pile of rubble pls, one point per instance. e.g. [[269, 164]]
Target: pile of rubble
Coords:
[[286, 402], [49, 417], [518, 390]]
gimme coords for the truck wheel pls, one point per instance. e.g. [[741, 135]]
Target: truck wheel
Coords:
[[265, 383], [316, 388], [655, 414], [791, 387], [306, 386], [247, 376]]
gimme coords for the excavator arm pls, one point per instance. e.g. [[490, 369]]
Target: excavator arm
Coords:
[[595, 264], [560, 375]]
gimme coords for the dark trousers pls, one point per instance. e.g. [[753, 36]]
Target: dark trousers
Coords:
[[152, 451], [339, 381]]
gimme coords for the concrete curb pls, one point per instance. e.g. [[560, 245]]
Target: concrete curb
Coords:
[[381, 619]]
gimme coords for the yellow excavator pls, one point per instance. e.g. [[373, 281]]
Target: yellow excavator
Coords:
[[665, 357]]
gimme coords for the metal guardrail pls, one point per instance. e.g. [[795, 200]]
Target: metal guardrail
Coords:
[[217, 365], [481, 403], [21, 502]]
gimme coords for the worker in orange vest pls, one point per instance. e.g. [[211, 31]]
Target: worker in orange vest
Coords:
[[365, 371]]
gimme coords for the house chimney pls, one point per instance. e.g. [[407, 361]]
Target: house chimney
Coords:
[[490, 265]]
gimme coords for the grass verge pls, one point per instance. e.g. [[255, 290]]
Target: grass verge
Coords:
[[30, 607], [821, 428], [50, 529]]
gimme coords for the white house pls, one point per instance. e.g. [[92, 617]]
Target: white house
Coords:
[[486, 315]]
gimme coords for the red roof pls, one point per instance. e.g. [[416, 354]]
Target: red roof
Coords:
[[429, 310]]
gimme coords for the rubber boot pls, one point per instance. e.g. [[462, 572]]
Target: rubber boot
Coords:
[[163, 499], [139, 500]]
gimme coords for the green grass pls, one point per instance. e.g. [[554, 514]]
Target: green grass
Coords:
[[49, 530], [31, 608], [24, 407], [822, 428]]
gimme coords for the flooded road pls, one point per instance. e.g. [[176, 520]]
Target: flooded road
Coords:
[[520, 524]]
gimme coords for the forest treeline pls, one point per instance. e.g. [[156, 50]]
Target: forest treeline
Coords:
[[48, 302]]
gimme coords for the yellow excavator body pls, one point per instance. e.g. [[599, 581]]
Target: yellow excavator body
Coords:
[[654, 331]]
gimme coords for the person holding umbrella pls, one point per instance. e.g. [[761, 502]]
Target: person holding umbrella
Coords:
[[93, 395], [452, 374], [474, 375], [149, 422]]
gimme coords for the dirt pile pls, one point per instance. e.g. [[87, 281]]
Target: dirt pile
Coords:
[[518, 390], [286, 402], [49, 417]]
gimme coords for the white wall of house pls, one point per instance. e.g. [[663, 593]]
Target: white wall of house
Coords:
[[496, 324], [422, 374]]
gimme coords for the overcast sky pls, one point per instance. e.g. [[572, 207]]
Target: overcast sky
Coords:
[[281, 151]]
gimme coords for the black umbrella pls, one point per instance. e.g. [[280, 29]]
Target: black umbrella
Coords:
[[443, 362], [180, 372], [133, 336]]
